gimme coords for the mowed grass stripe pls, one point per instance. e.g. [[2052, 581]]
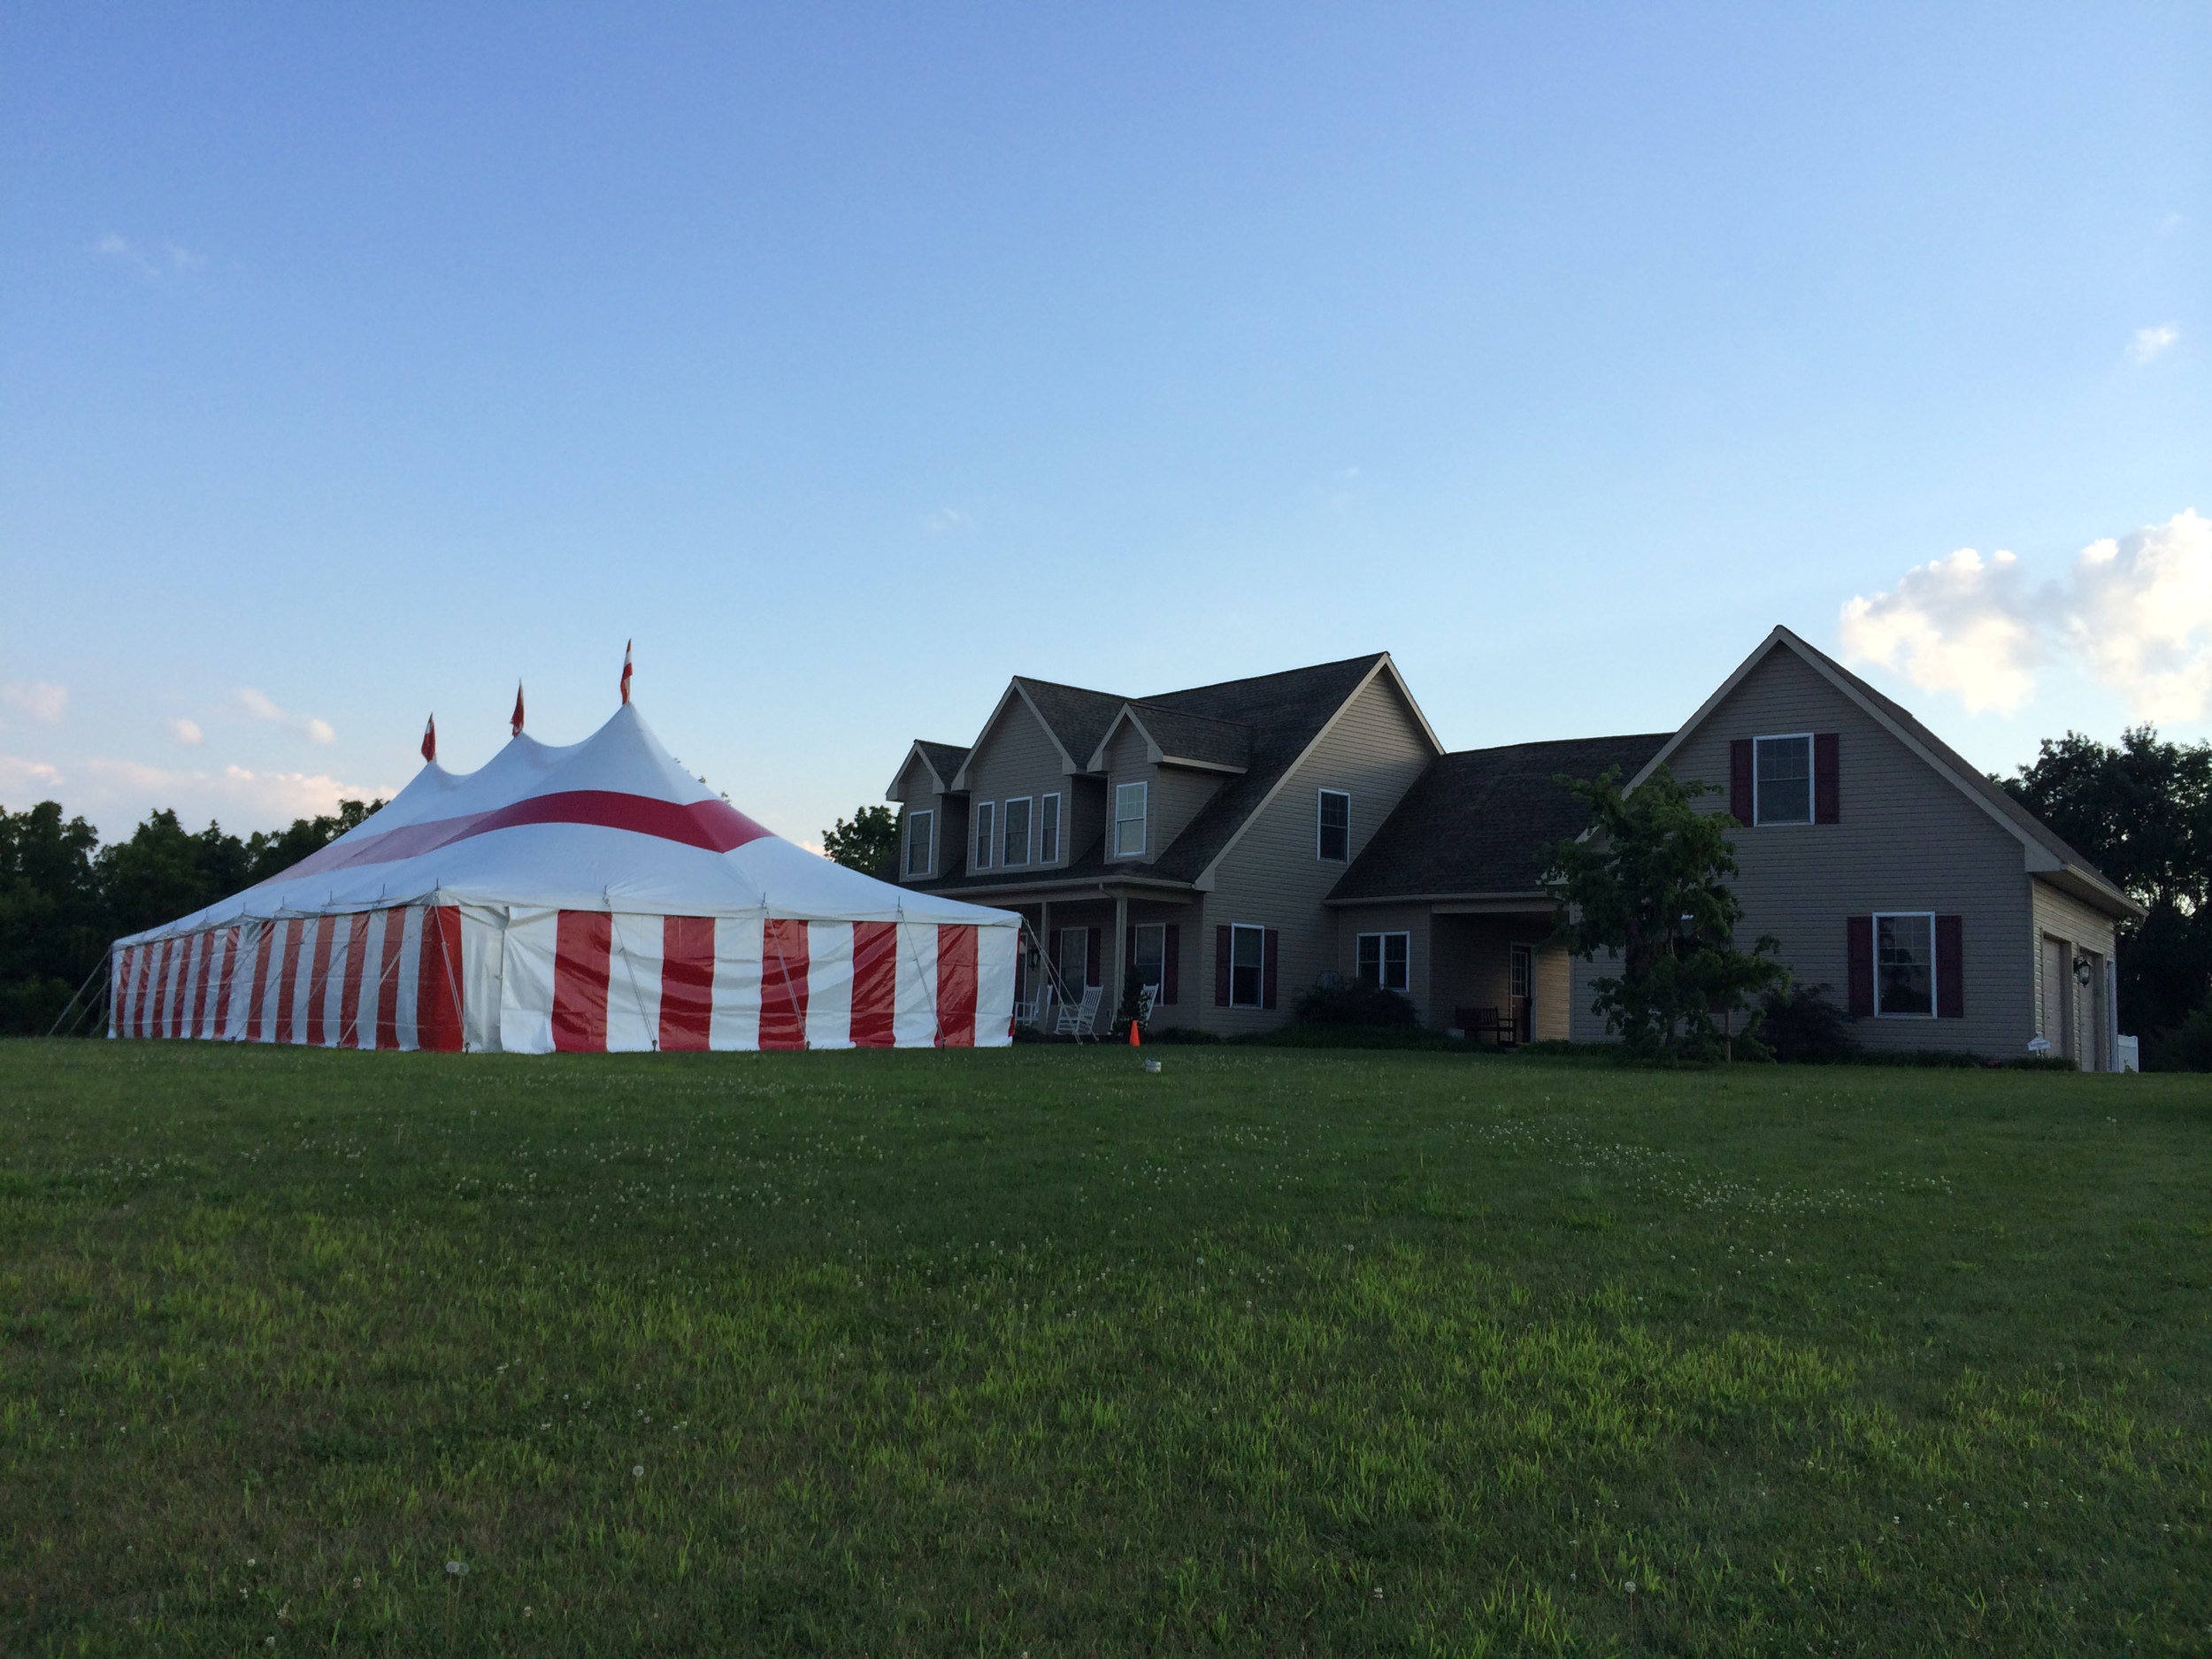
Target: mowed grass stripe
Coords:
[[1028, 1351]]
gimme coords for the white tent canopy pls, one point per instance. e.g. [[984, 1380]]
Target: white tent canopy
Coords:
[[591, 897]]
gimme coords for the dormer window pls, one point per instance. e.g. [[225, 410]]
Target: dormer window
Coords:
[[1015, 848], [919, 826], [1129, 804]]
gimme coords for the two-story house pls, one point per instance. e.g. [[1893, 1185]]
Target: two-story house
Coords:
[[1232, 843]]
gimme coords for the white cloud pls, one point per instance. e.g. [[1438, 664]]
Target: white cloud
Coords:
[[168, 259], [2135, 614], [20, 777], [187, 732], [945, 520], [261, 706], [40, 699], [237, 797], [2153, 343]]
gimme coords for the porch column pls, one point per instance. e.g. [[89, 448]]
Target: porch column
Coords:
[[1120, 943]]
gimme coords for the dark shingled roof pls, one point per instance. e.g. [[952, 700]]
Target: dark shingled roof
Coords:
[[945, 759], [1077, 716], [1473, 822], [1193, 737]]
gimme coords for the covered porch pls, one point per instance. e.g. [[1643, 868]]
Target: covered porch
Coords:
[[1492, 976], [1093, 940]]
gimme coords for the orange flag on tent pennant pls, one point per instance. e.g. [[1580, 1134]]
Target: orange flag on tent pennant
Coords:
[[516, 719], [430, 740], [626, 669]]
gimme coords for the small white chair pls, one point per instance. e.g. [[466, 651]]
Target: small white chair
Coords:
[[1147, 999]]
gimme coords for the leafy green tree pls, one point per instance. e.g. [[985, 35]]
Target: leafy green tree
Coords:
[[53, 922], [867, 842], [2141, 810], [1650, 887]]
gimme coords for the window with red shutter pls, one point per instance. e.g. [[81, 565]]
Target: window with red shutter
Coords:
[[1740, 780], [1827, 801], [1860, 932], [1267, 970]]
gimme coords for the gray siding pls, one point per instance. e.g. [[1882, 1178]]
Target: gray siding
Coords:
[[1172, 797], [1270, 877], [1414, 922], [1016, 756], [1909, 840]]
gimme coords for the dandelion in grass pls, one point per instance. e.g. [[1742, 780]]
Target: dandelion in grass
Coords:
[[457, 1568], [637, 1472]]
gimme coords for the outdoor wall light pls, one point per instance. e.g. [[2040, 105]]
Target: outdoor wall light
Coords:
[[2082, 971]]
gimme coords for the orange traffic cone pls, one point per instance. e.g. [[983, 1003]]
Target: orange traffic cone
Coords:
[[1136, 1035]]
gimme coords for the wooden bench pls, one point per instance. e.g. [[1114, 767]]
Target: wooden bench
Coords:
[[1487, 1025]]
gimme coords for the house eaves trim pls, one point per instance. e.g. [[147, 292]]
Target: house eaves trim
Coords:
[[1013, 690], [2041, 859], [1079, 885], [1204, 880]]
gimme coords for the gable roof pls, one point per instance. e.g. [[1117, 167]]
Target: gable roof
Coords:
[[1074, 717], [1475, 822], [943, 760], [2047, 853], [1270, 719]]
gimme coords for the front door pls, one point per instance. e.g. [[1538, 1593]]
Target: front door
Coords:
[[1521, 988], [1074, 961], [2058, 984]]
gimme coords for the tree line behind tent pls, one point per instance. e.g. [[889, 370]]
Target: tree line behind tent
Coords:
[[2140, 810]]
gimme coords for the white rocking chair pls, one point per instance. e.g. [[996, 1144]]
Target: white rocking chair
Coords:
[[1079, 1019]]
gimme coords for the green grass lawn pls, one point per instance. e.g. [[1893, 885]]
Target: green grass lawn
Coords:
[[1025, 1351]]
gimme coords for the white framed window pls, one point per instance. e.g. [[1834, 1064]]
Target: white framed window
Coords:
[[1782, 778], [1386, 960], [985, 817], [1520, 971], [1151, 953], [1332, 827], [1129, 804], [1049, 830], [1904, 965], [1247, 966], [1014, 845], [919, 827]]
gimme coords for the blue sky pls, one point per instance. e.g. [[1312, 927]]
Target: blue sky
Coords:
[[357, 361]]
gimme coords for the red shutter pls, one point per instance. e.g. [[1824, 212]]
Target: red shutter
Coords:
[[1861, 929], [1740, 780], [1827, 767], [1172, 964], [1950, 943], [1221, 966], [1090, 961], [1267, 969]]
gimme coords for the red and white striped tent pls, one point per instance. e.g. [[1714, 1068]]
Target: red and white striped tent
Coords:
[[591, 898]]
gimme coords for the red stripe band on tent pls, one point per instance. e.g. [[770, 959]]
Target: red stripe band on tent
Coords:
[[715, 826], [256, 1000], [349, 991], [580, 963], [388, 981], [687, 983], [228, 962], [875, 983], [956, 986], [287, 973], [203, 959], [783, 984], [438, 981]]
